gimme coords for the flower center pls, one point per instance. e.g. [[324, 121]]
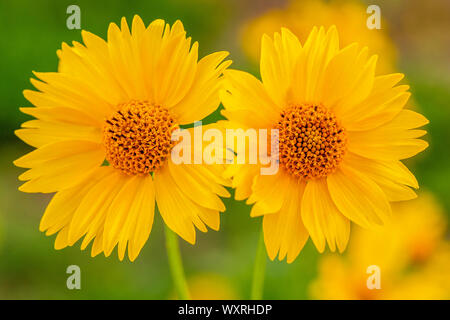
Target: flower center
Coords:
[[137, 137], [311, 141]]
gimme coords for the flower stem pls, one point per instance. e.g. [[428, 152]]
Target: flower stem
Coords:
[[176, 265], [259, 270]]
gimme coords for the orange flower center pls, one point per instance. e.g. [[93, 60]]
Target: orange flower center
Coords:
[[311, 141], [137, 137]]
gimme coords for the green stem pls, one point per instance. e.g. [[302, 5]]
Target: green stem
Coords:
[[176, 265], [259, 270]]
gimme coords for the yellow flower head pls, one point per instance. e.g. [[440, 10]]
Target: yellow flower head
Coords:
[[410, 252], [210, 286], [300, 16], [120, 100], [342, 134], [420, 226]]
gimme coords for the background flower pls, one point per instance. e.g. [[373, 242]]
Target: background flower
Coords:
[[411, 253], [210, 286], [300, 16]]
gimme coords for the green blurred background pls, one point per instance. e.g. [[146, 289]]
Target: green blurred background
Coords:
[[32, 31]]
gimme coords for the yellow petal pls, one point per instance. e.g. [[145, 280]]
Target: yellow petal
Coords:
[[309, 69], [61, 114], [284, 232], [144, 220], [243, 178], [202, 98], [151, 48], [59, 165], [123, 62], [97, 247], [64, 90], [322, 218], [392, 141], [382, 105], [278, 57], [91, 212], [269, 192], [199, 190], [63, 205], [61, 239], [38, 133], [393, 177], [360, 88], [123, 212], [338, 76], [176, 68], [177, 210], [246, 101], [358, 197], [94, 66], [317, 58]]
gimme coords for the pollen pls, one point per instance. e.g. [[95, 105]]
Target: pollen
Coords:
[[137, 137], [311, 141]]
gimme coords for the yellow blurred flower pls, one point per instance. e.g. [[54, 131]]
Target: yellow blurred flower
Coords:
[[300, 16], [411, 254], [421, 226], [210, 286]]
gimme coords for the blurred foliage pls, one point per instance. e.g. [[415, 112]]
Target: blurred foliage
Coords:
[[30, 268]]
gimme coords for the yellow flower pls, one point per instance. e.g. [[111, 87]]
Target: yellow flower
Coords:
[[119, 100], [420, 226], [342, 134], [416, 224], [301, 15], [210, 286]]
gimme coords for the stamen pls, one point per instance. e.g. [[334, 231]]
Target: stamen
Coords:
[[137, 137], [311, 141]]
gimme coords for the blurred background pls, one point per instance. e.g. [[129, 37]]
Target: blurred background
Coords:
[[414, 39]]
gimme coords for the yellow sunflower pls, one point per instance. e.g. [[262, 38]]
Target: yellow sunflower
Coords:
[[342, 134], [103, 138]]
